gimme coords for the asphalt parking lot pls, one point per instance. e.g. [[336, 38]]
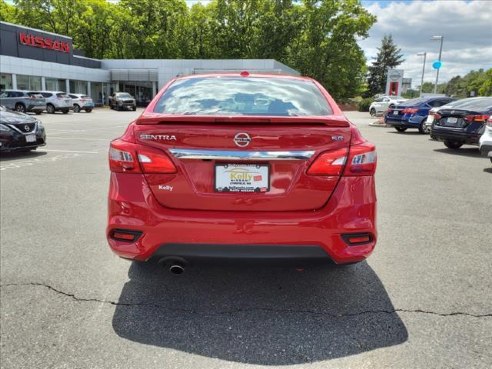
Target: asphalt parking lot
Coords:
[[422, 300]]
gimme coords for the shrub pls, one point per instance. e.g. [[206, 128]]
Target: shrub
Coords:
[[365, 103]]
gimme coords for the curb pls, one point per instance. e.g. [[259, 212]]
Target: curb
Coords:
[[378, 123]]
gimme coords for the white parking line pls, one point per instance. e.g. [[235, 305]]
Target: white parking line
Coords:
[[63, 155], [71, 151], [80, 138]]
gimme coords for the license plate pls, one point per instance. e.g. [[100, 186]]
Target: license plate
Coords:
[[242, 178], [395, 112], [31, 138], [452, 120]]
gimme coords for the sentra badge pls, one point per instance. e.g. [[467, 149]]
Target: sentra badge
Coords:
[[158, 137]]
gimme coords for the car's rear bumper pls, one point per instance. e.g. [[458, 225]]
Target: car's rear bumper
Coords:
[[466, 138], [406, 122], [318, 234], [486, 149]]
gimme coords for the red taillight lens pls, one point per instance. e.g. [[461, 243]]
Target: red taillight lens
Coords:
[[155, 161], [476, 118], [410, 110], [126, 157], [362, 160], [329, 163], [122, 157]]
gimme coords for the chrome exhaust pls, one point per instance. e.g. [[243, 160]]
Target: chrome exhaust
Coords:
[[176, 269]]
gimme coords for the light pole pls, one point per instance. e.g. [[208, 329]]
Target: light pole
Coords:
[[440, 52], [424, 54]]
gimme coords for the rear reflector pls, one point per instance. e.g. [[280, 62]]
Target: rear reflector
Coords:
[[356, 239], [125, 235]]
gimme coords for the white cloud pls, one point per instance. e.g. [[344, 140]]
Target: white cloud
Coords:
[[465, 25]]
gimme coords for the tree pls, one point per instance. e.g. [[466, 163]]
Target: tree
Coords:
[[389, 56], [7, 12]]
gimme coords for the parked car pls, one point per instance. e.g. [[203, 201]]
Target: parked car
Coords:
[[81, 102], [463, 125], [23, 101], [382, 103], [485, 141], [413, 113], [56, 101], [242, 166], [20, 132], [122, 100], [452, 104]]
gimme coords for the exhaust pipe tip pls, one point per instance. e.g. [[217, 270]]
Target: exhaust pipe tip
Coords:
[[176, 269], [175, 265]]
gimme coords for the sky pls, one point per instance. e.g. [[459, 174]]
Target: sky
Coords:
[[465, 25]]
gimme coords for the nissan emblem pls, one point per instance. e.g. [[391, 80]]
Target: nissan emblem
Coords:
[[242, 139]]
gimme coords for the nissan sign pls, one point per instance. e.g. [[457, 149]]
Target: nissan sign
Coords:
[[43, 42]]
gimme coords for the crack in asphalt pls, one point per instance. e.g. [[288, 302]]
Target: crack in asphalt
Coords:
[[235, 311]]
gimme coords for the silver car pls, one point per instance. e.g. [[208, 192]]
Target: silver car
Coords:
[[56, 101], [382, 103], [23, 101], [81, 102]]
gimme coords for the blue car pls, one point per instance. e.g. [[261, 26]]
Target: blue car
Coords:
[[413, 113]]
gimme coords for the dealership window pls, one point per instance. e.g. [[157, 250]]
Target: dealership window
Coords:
[[97, 92], [32, 83], [53, 84], [78, 87], [5, 81]]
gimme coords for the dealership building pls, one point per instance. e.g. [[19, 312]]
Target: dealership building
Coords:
[[31, 59]]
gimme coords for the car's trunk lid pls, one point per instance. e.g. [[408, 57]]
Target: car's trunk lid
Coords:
[[218, 156], [460, 120]]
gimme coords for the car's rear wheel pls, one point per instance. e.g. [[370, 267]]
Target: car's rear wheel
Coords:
[[134, 108], [454, 145], [20, 108], [65, 111], [372, 112], [423, 128], [88, 110], [38, 112], [401, 129], [50, 109], [76, 108]]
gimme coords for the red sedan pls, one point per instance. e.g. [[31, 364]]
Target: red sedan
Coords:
[[242, 166]]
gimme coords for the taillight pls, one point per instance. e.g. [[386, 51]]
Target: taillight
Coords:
[[154, 161], [437, 116], [126, 157], [410, 110], [476, 118], [359, 160], [362, 160], [122, 157], [329, 163]]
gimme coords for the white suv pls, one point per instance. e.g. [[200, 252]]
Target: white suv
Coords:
[[57, 101], [382, 103], [486, 140]]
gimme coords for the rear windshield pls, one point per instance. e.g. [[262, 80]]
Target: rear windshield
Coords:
[[414, 102], [243, 96], [124, 95], [484, 103]]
